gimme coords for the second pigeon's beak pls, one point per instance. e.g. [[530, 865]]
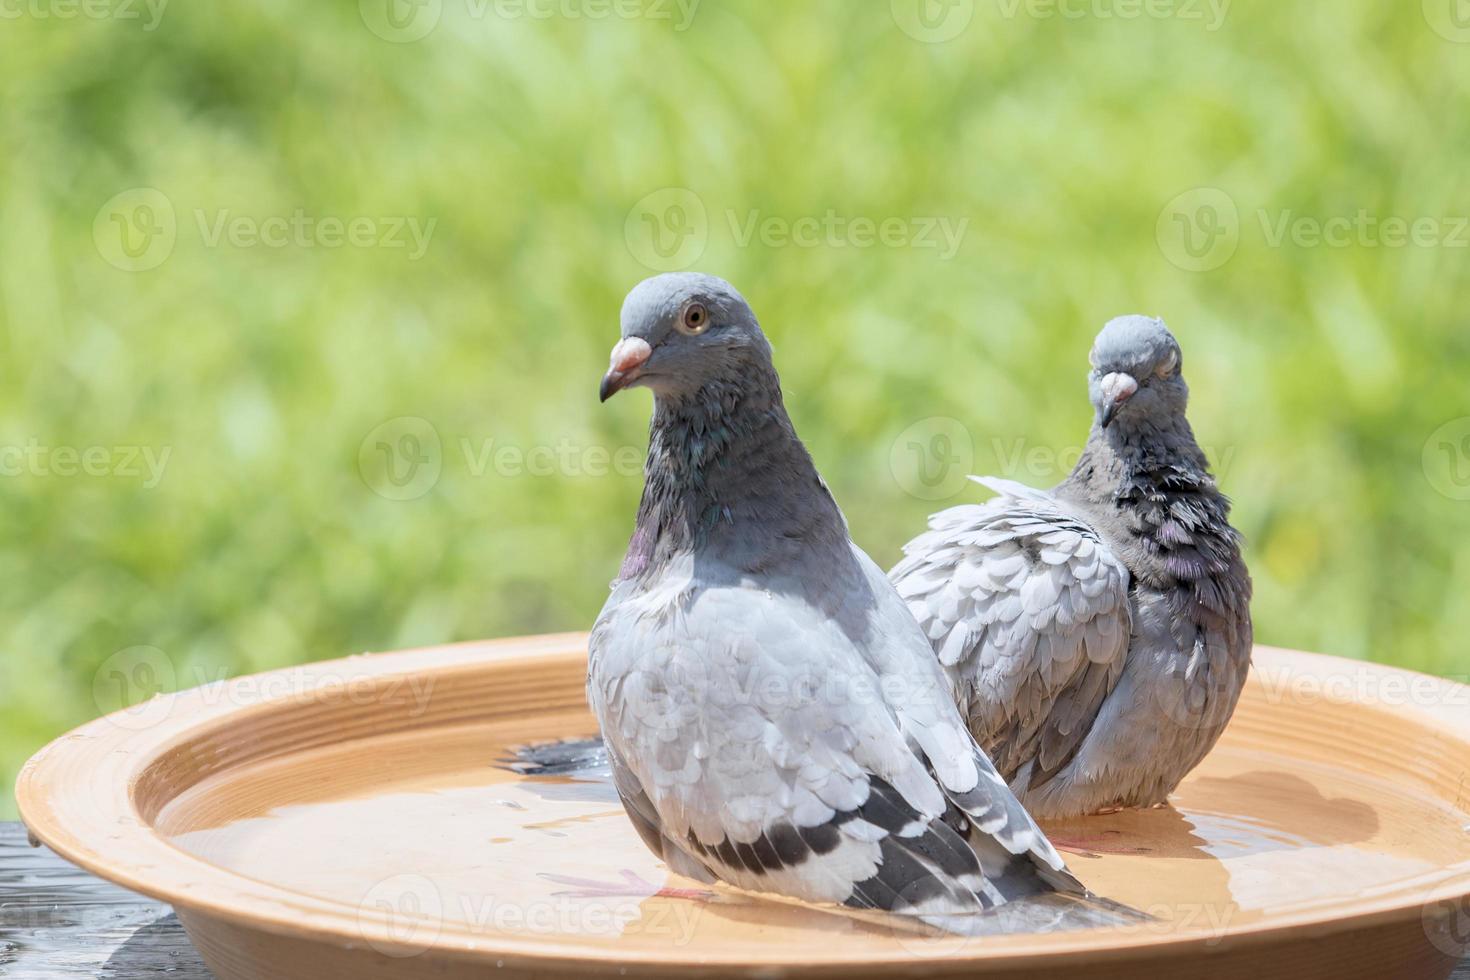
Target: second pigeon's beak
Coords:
[[1116, 389], [627, 358]]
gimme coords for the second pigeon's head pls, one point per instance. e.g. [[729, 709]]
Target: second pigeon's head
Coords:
[[682, 331], [1137, 372]]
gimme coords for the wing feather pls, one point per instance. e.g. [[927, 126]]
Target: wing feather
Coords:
[[731, 763], [1027, 610]]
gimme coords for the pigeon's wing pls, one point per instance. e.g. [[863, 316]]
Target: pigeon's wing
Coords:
[[766, 749], [1017, 858], [1028, 612], [645, 819]]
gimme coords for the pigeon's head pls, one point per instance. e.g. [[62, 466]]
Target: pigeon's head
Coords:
[[1137, 371], [682, 330]]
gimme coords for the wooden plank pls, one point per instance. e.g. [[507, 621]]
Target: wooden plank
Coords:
[[57, 921]]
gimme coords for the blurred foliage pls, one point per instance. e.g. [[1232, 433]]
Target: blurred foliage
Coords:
[[1319, 372]]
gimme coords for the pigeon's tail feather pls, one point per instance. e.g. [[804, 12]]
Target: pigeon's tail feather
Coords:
[[568, 757], [1045, 912]]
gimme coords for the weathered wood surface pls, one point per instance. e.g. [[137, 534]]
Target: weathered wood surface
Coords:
[[57, 922]]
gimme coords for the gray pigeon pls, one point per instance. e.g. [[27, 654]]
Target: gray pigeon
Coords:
[[774, 718], [1096, 635]]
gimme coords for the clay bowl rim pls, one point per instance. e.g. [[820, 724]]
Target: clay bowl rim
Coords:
[[85, 796]]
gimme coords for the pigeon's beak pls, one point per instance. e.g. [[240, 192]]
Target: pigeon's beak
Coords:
[[1116, 389], [622, 370]]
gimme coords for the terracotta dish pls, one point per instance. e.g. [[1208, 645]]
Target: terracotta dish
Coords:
[[356, 819]]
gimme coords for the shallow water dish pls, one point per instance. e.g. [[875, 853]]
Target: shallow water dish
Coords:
[[354, 819]]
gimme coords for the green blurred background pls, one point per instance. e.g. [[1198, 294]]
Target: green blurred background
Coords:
[[248, 419]]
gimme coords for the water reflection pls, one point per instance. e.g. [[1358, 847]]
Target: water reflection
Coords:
[[529, 838]]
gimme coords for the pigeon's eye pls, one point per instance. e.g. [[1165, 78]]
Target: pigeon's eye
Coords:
[[695, 320], [1168, 364]]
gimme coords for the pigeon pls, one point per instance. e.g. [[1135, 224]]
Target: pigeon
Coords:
[[1096, 635], [773, 716]]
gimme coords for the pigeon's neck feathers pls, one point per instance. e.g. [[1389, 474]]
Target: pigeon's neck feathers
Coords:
[[1141, 456], [1150, 494], [727, 475]]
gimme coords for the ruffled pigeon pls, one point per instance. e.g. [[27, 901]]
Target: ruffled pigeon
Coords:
[[1096, 635], [773, 715]]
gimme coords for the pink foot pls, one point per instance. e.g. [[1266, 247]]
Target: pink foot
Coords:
[[1094, 847], [632, 886]]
